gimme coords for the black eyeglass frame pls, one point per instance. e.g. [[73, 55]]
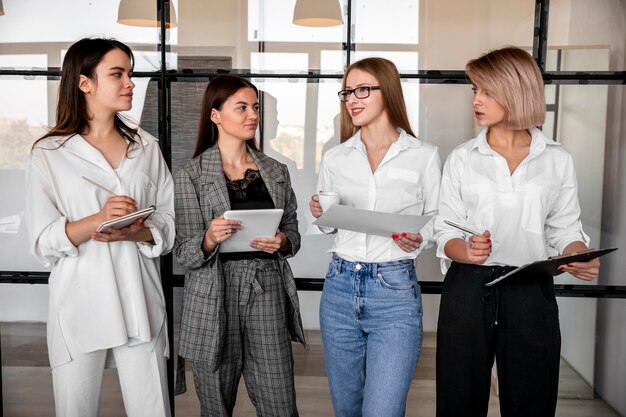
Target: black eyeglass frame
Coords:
[[366, 89]]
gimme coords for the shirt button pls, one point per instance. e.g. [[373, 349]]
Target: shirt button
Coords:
[[358, 267]]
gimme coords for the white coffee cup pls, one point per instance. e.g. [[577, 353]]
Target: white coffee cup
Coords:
[[327, 199]]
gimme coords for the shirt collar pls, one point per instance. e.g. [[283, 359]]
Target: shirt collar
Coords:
[[538, 142], [404, 141]]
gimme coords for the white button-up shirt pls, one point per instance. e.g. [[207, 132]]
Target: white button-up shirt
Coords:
[[406, 182], [101, 294], [531, 214]]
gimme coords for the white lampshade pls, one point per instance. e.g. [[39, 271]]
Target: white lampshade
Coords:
[[143, 13], [319, 13], [1, 9]]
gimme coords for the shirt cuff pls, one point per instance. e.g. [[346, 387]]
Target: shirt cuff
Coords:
[[58, 245], [155, 248]]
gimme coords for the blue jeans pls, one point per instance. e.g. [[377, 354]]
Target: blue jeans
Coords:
[[371, 322]]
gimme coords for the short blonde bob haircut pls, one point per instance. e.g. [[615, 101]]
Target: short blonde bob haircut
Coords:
[[388, 79], [512, 77]]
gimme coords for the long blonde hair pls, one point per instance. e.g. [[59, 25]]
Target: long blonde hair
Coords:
[[393, 99]]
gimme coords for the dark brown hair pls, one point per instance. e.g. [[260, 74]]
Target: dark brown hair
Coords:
[[215, 95], [82, 58]]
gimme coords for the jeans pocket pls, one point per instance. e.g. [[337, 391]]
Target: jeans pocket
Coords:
[[398, 279], [333, 269]]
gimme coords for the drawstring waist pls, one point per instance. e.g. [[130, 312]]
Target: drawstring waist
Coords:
[[491, 294]]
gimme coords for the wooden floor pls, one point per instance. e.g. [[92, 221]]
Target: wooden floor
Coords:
[[27, 386]]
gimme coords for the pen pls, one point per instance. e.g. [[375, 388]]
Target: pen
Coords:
[[465, 229], [99, 186]]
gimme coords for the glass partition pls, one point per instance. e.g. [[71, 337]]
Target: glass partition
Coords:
[[585, 25], [298, 72]]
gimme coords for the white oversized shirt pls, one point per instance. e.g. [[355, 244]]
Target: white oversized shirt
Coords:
[[101, 294], [406, 182], [531, 214]]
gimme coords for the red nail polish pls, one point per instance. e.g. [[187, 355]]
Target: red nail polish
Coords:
[[395, 236], [561, 268], [404, 234], [488, 240], [570, 265]]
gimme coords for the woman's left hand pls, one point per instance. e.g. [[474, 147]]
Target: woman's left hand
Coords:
[[135, 232], [269, 244], [581, 270], [408, 242], [586, 271]]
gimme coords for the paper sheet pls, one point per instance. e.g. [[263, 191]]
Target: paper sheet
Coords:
[[370, 222]]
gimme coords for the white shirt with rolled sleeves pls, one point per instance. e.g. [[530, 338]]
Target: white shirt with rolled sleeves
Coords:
[[406, 182], [102, 295], [531, 214]]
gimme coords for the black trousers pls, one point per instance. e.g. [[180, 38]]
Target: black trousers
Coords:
[[517, 322]]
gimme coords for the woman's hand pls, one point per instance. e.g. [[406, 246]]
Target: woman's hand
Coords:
[[581, 270], [478, 248], [219, 230], [135, 232], [270, 244], [116, 206], [408, 242], [586, 271], [315, 206]]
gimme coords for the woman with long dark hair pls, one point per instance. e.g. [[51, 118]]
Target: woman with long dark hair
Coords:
[[240, 310], [105, 288]]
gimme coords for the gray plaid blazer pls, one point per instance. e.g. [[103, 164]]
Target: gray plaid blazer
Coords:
[[200, 196]]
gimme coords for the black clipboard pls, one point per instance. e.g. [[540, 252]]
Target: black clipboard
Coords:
[[123, 221], [551, 265]]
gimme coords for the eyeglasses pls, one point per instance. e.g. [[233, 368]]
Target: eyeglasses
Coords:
[[359, 92]]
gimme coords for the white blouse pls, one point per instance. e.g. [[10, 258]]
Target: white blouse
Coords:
[[406, 182], [101, 294], [531, 214]]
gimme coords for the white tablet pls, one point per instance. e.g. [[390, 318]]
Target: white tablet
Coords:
[[123, 221], [256, 223]]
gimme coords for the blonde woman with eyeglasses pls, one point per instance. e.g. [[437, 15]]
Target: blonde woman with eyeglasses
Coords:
[[371, 308]]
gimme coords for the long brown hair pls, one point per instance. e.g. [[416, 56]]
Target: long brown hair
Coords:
[[215, 95], [393, 99], [82, 58]]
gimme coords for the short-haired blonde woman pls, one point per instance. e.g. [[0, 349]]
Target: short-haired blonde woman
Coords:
[[371, 307], [520, 188]]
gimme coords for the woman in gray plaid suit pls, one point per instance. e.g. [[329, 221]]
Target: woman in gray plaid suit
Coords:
[[240, 310]]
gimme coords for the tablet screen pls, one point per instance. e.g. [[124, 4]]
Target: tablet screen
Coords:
[[256, 223]]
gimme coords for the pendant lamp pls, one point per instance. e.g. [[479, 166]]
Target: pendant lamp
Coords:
[[317, 13], [143, 13]]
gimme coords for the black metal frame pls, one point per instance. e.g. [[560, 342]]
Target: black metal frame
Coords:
[[165, 78]]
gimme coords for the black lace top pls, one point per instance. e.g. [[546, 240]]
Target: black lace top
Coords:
[[248, 193]]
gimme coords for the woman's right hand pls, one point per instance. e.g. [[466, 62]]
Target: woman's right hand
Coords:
[[315, 206], [116, 206], [478, 248], [219, 230]]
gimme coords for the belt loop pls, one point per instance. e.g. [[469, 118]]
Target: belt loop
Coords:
[[374, 270]]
